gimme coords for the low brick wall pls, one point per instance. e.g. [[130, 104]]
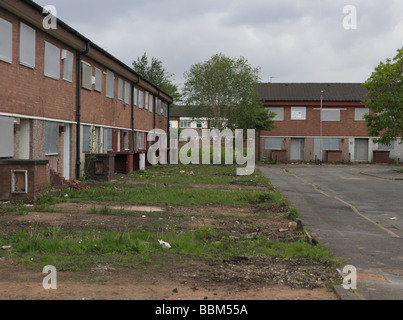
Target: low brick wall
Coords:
[[334, 156], [23, 179]]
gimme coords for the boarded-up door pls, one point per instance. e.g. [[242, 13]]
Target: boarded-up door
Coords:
[[361, 149], [297, 149]]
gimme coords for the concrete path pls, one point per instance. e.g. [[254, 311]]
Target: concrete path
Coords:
[[356, 211]]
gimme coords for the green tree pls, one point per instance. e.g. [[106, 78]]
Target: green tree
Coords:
[[224, 90], [385, 100], [155, 73]]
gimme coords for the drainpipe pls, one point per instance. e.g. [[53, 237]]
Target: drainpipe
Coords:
[[168, 135], [78, 141]]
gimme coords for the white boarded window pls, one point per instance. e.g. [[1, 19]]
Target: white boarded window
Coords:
[[6, 41], [140, 139], [68, 62], [146, 101], [86, 76], [279, 113], [98, 79], [7, 137], [385, 147], [273, 143], [126, 139], [359, 113], [298, 113], [110, 84], [51, 138], [27, 46], [150, 102], [127, 92], [120, 89], [330, 115], [331, 144], [107, 139], [165, 107], [141, 99], [86, 138], [135, 96], [52, 61]]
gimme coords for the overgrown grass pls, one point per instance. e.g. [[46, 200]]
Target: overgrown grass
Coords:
[[87, 245], [175, 186], [80, 249]]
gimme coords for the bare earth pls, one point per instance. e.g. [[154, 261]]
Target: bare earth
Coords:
[[247, 278]]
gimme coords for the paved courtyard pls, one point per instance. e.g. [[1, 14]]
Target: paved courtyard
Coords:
[[357, 212]]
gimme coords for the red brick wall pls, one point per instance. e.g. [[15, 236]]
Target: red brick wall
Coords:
[[346, 127], [37, 180], [28, 91]]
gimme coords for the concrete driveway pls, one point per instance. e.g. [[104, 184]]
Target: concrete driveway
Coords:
[[356, 211]]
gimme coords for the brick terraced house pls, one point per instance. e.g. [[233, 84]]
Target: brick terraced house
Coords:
[[299, 129], [63, 97]]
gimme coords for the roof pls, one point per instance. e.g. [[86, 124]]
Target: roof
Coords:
[[177, 111], [312, 91]]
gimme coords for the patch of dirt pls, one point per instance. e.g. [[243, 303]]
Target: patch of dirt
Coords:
[[247, 277], [105, 283]]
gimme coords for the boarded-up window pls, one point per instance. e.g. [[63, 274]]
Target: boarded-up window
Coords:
[[273, 143], [27, 45], [120, 89], [51, 138], [6, 41], [86, 138], [127, 92], [331, 144], [98, 80], [86, 76], [52, 61], [135, 96], [146, 100], [126, 139], [279, 113], [298, 113], [140, 139], [110, 84], [382, 146], [330, 115], [359, 113], [7, 137], [107, 139], [68, 61], [150, 102], [141, 99]]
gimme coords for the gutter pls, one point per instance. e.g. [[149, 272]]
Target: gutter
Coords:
[[78, 140]]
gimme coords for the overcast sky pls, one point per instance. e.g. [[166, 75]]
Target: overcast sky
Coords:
[[290, 40]]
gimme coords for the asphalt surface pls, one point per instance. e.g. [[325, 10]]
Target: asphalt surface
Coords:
[[356, 211]]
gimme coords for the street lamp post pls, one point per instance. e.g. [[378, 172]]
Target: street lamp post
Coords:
[[321, 142]]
